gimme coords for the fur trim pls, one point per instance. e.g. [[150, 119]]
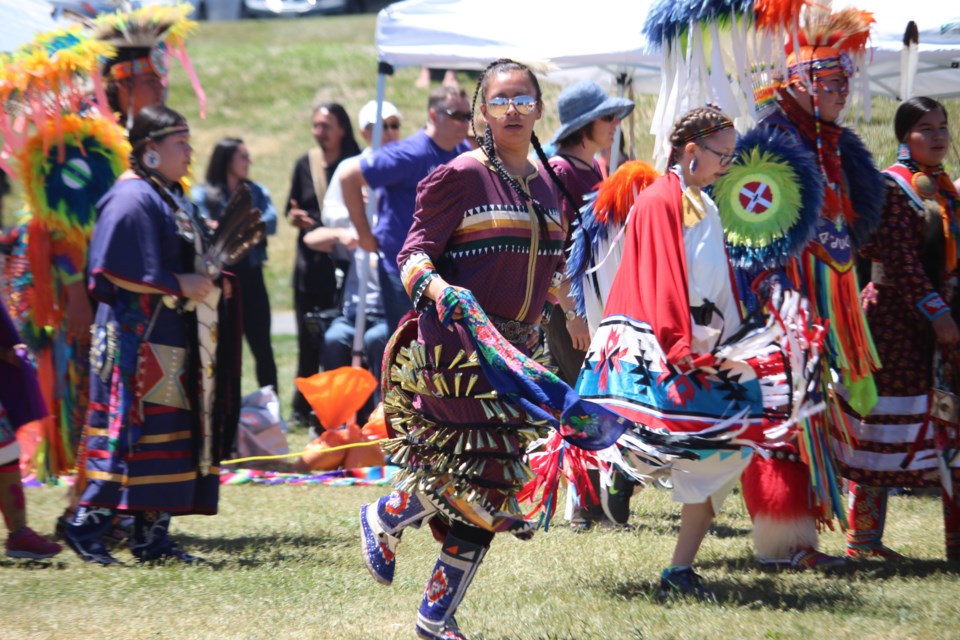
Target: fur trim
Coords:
[[777, 540], [865, 184]]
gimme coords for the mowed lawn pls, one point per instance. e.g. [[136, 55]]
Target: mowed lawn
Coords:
[[285, 565], [285, 560]]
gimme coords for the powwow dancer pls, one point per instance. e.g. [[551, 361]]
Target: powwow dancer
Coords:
[[164, 400], [909, 438], [464, 398], [671, 352], [67, 158], [809, 100], [802, 192]]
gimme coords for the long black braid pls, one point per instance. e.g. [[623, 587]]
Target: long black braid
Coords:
[[489, 148]]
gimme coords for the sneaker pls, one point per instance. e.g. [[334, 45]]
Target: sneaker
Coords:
[[879, 552], [167, 553], [27, 543], [683, 582], [450, 632], [812, 559], [92, 551], [379, 547]]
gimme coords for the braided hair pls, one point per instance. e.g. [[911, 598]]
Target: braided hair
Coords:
[[153, 124], [695, 124], [486, 142]]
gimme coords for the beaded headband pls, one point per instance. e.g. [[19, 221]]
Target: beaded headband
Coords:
[[156, 63], [703, 133], [168, 131]]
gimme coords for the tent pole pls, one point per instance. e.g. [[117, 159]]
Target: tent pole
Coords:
[[618, 135], [383, 70]]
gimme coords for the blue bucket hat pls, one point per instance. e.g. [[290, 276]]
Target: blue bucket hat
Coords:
[[583, 102]]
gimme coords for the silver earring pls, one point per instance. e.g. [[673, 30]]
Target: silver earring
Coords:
[[693, 165], [151, 159]]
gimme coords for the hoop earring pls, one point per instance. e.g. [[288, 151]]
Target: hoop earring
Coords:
[[693, 165], [903, 151], [151, 159]]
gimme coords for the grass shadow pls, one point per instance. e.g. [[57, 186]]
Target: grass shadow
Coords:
[[762, 592], [263, 550]]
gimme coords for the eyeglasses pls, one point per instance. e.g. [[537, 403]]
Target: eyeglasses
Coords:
[[726, 159], [610, 117], [459, 116], [498, 107], [386, 125]]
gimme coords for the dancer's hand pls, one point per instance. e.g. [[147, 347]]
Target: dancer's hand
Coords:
[[579, 333], [79, 314], [195, 286], [946, 329]]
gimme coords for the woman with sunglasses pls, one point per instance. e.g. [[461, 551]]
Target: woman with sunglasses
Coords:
[[588, 123], [487, 222], [672, 303]]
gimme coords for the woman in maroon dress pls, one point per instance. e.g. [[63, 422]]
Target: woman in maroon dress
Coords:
[[908, 305], [488, 221]]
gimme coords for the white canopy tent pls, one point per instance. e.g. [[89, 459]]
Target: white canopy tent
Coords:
[[20, 20]]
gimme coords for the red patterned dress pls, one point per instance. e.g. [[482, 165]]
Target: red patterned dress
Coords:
[[910, 278]]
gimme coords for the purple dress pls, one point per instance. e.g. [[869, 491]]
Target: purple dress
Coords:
[[461, 445], [20, 398], [142, 436]]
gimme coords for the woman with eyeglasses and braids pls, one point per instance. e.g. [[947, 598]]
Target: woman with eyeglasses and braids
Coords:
[[487, 222], [672, 304], [152, 442]]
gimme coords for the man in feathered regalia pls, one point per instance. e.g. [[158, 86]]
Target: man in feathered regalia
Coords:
[[800, 198]]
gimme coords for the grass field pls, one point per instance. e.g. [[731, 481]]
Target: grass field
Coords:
[[285, 565]]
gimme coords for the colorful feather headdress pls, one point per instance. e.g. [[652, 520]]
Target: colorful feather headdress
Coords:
[[738, 53], [55, 74], [145, 39]]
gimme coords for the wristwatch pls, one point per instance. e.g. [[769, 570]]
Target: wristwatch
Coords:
[[569, 314]]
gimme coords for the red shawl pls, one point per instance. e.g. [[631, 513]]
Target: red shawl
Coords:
[[651, 283]]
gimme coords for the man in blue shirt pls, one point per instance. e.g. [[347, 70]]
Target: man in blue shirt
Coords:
[[394, 173]]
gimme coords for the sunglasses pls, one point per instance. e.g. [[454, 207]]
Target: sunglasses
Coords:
[[386, 125], [459, 116], [726, 159], [498, 107], [609, 117]]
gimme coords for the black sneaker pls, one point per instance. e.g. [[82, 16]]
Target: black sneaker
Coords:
[[683, 583]]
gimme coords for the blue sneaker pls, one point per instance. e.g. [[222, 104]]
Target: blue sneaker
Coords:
[[379, 547], [681, 583]]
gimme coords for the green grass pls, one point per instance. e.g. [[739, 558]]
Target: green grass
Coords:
[[285, 564]]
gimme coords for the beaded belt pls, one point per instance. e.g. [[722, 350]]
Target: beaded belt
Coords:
[[514, 330]]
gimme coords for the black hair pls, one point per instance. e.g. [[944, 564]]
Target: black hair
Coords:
[[149, 125], [348, 144], [220, 161], [486, 142], [576, 137], [686, 128], [909, 113], [217, 168]]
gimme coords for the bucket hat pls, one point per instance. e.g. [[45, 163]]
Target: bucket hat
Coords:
[[583, 102]]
